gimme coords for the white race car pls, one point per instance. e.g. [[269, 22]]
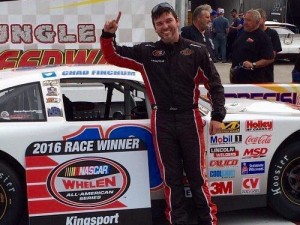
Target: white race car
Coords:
[[60, 125], [290, 41]]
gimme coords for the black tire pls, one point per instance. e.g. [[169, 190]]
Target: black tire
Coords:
[[12, 196], [284, 182]]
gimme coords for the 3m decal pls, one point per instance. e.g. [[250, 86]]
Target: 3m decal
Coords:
[[221, 187]]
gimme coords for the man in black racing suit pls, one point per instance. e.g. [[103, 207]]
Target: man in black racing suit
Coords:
[[172, 69]]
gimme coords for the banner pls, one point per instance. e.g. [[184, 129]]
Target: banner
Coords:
[[88, 182], [43, 32]]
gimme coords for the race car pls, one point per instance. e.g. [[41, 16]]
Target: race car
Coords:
[[289, 39], [76, 148]]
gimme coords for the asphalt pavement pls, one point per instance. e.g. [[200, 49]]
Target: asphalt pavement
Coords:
[[257, 216], [282, 71]]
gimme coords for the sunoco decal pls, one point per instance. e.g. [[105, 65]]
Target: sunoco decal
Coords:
[[88, 182]]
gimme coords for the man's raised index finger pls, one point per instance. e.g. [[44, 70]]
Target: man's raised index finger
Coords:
[[118, 18]]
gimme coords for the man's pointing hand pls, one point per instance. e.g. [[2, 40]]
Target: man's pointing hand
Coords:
[[112, 25]]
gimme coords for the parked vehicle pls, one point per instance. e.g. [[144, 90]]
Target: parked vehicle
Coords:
[[253, 162], [289, 39]]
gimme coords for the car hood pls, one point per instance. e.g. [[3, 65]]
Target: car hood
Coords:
[[241, 106]]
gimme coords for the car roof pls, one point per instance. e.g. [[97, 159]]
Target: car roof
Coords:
[[282, 30], [274, 23], [19, 76]]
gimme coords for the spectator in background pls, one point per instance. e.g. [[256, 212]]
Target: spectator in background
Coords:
[[252, 52], [199, 30], [213, 15], [232, 34], [273, 35], [220, 30], [241, 25], [296, 71]]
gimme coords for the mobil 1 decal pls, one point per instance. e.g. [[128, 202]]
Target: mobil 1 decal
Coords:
[[91, 176]]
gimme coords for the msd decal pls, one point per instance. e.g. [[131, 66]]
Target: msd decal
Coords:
[[259, 125], [88, 182], [255, 153]]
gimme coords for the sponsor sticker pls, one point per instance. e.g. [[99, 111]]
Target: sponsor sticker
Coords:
[[251, 185], [222, 173], [263, 139], [252, 167], [88, 182], [225, 139], [48, 74], [221, 187], [224, 152], [230, 127], [255, 153], [259, 125], [223, 163]]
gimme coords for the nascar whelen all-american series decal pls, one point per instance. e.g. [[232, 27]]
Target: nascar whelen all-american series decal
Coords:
[[88, 179]]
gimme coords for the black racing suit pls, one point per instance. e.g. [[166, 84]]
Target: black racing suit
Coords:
[[172, 74]]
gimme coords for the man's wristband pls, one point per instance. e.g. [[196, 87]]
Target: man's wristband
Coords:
[[107, 34]]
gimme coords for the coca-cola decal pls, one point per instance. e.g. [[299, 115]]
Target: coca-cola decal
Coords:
[[263, 139], [259, 125], [88, 182]]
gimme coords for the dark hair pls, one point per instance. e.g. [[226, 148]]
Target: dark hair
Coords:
[[160, 9]]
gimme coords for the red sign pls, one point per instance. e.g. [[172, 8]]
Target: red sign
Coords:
[[255, 152], [263, 139], [259, 125], [221, 187]]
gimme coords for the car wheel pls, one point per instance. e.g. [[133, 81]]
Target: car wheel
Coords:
[[284, 182], [12, 196]]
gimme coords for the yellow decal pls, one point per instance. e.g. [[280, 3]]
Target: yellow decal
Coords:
[[84, 2]]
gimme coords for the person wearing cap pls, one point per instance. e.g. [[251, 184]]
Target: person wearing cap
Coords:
[[220, 29], [252, 52], [172, 69], [199, 31], [273, 35], [232, 34]]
